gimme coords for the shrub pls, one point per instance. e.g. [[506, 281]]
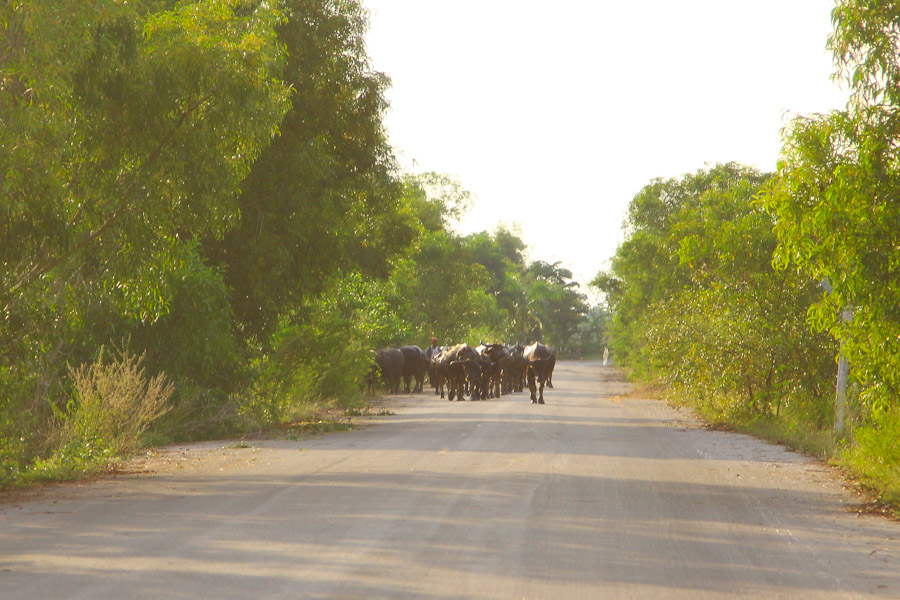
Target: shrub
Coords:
[[112, 403], [875, 455], [321, 354]]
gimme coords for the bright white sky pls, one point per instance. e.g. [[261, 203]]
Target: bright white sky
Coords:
[[555, 114]]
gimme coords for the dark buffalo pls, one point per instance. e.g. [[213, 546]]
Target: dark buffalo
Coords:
[[500, 354], [479, 385], [431, 353], [461, 373], [390, 362], [493, 358], [414, 365], [449, 372], [552, 366], [513, 369], [539, 360], [439, 371], [460, 365]]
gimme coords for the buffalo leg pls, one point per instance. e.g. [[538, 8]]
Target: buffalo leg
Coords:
[[532, 387]]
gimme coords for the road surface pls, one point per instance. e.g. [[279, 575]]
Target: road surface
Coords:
[[597, 494]]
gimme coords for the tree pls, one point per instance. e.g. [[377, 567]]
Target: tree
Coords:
[[126, 134], [127, 128], [444, 293], [694, 292], [837, 217], [457, 288], [591, 337], [323, 197], [645, 268], [835, 199], [556, 301]]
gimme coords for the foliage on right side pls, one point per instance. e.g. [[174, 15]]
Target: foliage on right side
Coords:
[[698, 306], [837, 218], [735, 287]]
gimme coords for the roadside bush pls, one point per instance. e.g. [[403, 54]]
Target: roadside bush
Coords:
[[698, 306], [194, 341], [17, 425], [196, 345], [322, 353], [112, 403], [196, 413], [875, 455]]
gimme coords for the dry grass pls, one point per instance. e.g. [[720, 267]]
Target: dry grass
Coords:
[[113, 403]]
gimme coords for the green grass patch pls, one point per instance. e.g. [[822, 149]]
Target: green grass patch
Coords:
[[795, 436], [299, 429], [367, 412], [874, 457]]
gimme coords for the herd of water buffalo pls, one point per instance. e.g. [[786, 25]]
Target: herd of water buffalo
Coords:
[[484, 371]]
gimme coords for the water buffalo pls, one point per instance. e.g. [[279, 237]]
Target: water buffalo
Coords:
[[431, 353], [414, 365], [390, 362], [450, 372], [539, 360], [479, 385], [493, 358], [438, 371], [461, 373], [513, 369], [550, 368], [459, 366]]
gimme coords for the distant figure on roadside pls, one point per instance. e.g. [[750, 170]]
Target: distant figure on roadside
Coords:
[[432, 350], [605, 356]]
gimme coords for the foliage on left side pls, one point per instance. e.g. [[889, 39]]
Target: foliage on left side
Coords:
[[207, 185], [126, 131]]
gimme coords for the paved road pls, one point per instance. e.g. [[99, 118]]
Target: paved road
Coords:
[[593, 495]]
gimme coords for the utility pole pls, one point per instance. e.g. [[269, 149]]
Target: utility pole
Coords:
[[840, 393]]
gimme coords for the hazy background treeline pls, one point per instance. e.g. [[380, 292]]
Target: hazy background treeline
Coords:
[[203, 230], [738, 289]]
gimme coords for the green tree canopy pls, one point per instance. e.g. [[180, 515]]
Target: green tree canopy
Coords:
[[835, 200], [323, 197], [696, 301], [125, 134]]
